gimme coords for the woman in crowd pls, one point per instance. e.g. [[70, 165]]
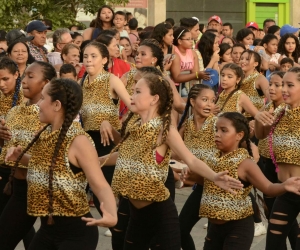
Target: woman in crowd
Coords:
[[289, 47], [103, 21]]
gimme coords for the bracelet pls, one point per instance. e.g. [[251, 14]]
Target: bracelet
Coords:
[[197, 75]]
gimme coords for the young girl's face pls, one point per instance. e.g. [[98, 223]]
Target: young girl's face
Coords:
[[144, 57], [229, 79], [275, 88], [228, 41], [290, 45], [93, 60], [216, 44], [204, 103], [186, 40], [141, 100], [271, 46], [47, 107], [291, 89], [195, 32], [106, 15], [168, 38], [78, 40], [247, 64], [248, 40], [236, 54], [226, 137], [7, 81], [34, 81], [227, 56]]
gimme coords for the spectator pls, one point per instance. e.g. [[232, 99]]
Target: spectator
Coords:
[[133, 34], [227, 30], [246, 37], [289, 29], [129, 16], [215, 22], [170, 21], [77, 38], [3, 43], [268, 23], [275, 30], [68, 71], [119, 22], [286, 63], [61, 37], [253, 26], [38, 30], [103, 21], [48, 23]]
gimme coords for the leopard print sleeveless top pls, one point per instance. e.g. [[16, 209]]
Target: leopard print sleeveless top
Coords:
[[23, 122], [216, 203], [69, 195], [98, 104], [137, 174]]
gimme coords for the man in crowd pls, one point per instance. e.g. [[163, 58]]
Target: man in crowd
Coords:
[[227, 30]]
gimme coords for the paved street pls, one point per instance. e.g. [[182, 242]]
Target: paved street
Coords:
[[198, 232]]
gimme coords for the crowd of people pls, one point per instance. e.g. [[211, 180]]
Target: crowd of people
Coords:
[[109, 110]]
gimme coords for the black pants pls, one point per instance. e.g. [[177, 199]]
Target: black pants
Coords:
[[119, 231], [285, 209], [65, 234], [4, 199], [233, 235], [158, 220], [189, 216], [15, 223]]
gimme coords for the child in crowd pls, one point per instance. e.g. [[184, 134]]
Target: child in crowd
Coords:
[[68, 71], [119, 22], [286, 64]]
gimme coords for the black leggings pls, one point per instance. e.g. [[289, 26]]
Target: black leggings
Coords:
[[158, 220], [189, 216], [232, 235], [66, 233], [15, 223], [119, 231], [285, 210]]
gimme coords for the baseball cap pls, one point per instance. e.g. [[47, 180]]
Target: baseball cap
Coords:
[[216, 18], [17, 35], [287, 29], [252, 25], [2, 35], [36, 25]]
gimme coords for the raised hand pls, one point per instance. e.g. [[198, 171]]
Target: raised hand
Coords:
[[266, 118], [5, 133], [185, 173], [226, 182], [107, 219]]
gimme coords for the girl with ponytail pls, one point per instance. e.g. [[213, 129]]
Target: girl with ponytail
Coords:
[[60, 161], [142, 163], [18, 128], [230, 216]]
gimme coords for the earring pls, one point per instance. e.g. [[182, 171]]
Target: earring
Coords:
[[152, 63]]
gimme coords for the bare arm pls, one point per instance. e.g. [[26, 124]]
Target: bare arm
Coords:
[[263, 84], [118, 87], [111, 159], [13, 153], [87, 34], [263, 123], [199, 167], [247, 105], [84, 155], [250, 172]]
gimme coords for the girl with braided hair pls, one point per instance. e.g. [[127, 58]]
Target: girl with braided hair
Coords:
[[11, 94], [19, 127], [197, 132], [230, 215], [142, 163], [282, 130], [62, 158], [232, 99]]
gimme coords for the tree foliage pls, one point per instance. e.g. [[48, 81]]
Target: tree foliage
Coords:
[[62, 13]]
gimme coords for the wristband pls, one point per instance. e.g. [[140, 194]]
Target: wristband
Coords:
[[197, 75]]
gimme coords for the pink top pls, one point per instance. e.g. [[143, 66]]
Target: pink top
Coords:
[[186, 61]]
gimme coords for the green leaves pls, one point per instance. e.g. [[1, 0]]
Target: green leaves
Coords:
[[62, 13]]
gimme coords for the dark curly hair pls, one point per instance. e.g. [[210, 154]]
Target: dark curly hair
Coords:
[[282, 50], [160, 30]]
